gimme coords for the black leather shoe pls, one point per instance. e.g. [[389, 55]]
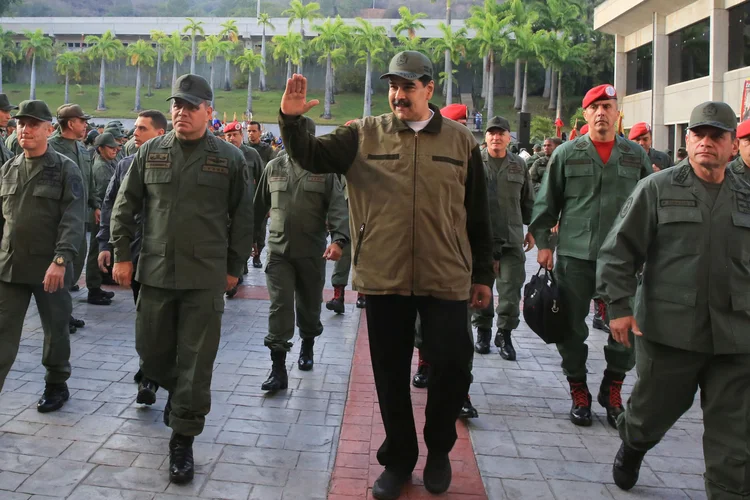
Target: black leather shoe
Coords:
[[97, 298], [360, 301], [109, 295], [422, 377], [167, 409], [78, 323], [231, 293], [147, 392], [627, 466], [483, 341], [75, 288], [505, 345], [257, 264], [336, 304], [389, 484], [278, 379], [305, 362], [468, 410], [437, 473], [54, 397], [181, 466], [72, 329], [610, 396], [580, 410]]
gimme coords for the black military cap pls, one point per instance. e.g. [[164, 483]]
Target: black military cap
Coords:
[[715, 114], [193, 89], [38, 110], [106, 139], [71, 111], [497, 122], [5, 104], [409, 64]]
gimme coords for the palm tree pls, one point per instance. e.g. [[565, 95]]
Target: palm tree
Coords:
[[409, 22], [563, 53], [339, 58], [36, 46], [406, 43], [527, 45], [298, 11], [105, 48], [249, 61], [195, 28], [229, 30], [140, 53], [490, 38], [211, 48], [332, 35], [264, 20], [454, 44], [520, 15], [288, 47], [7, 51], [157, 36], [371, 41], [67, 63], [176, 49]]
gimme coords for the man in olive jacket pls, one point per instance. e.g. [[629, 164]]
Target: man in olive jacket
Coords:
[[688, 227], [419, 221], [195, 196]]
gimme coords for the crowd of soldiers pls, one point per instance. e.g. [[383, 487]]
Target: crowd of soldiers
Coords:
[[428, 222]]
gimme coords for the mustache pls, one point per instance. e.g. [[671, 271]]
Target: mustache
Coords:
[[401, 102]]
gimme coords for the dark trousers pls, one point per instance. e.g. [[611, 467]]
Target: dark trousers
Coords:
[[390, 323]]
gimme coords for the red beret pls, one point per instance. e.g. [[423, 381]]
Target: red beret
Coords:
[[349, 123], [585, 129], [743, 129], [232, 127], [602, 92], [455, 112], [639, 129]]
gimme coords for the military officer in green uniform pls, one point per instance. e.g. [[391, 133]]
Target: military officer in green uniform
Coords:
[[104, 167], [266, 152], [641, 133], [537, 152], [587, 181], [10, 127], [537, 169], [689, 229], [511, 200], [743, 157], [300, 203], [41, 224], [195, 197], [5, 108]]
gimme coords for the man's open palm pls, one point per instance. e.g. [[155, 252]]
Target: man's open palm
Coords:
[[294, 101]]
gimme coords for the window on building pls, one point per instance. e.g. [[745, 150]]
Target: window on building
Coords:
[[640, 69], [670, 139], [689, 50], [739, 36]]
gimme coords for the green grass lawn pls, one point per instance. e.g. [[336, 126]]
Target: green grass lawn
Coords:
[[120, 101]]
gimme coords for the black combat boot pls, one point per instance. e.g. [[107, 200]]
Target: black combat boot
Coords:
[[78, 323], [482, 345], [610, 396], [389, 484], [468, 410], [54, 397], [97, 297], [167, 409], [600, 316], [437, 473], [580, 410], [505, 345], [278, 379], [305, 362], [181, 466], [627, 466], [360, 301], [422, 377], [257, 264], [146, 392], [336, 304]]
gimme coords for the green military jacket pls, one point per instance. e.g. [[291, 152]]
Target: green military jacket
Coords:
[[5, 154], [737, 163], [197, 213], [254, 163], [265, 151], [12, 144], [585, 195], [300, 203], [102, 174], [531, 159], [41, 216], [77, 152], [661, 160], [695, 289], [511, 200], [129, 148], [536, 171]]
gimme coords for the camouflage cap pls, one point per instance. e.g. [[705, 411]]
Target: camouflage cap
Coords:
[[409, 64], [715, 114], [5, 104], [71, 111], [497, 122], [38, 110], [106, 139], [193, 89]]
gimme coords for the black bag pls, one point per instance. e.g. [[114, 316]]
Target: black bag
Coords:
[[542, 308]]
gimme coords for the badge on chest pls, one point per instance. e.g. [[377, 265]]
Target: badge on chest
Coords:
[[216, 165]]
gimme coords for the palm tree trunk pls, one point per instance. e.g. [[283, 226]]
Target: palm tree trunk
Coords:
[[258, 6], [525, 86], [249, 109], [158, 66], [329, 88], [490, 88], [559, 94], [485, 66], [547, 82], [67, 88], [192, 56], [333, 85], [448, 79], [227, 68], [552, 89], [288, 69], [262, 76], [32, 90], [174, 72], [137, 88], [1, 75], [368, 87], [102, 81], [213, 94], [517, 86]]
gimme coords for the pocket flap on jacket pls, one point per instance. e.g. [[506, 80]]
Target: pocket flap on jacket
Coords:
[[740, 301], [51, 192], [668, 215], [154, 247], [579, 170], [154, 176], [740, 219], [673, 293]]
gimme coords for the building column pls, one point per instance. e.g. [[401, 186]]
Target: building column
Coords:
[[660, 64], [719, 57], [621, 68]]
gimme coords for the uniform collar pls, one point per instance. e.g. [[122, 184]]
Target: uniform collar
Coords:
[[211, 142], [433, 127]]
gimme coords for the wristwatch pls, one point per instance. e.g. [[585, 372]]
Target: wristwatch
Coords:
[[59, 260], [341, 243]]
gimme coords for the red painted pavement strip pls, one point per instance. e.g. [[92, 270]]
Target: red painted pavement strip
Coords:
[[357, 467]]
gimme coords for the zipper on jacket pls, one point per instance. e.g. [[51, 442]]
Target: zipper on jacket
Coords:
[[414, 215], [359, 243]]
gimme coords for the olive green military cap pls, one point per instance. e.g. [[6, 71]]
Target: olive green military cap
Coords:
[[715, 114], [115, 131], [12, 122], [71, 111], [5, 104], [38, 110], [193, 89], [497, 122], [106, 139], [409, 64], [113, 123]]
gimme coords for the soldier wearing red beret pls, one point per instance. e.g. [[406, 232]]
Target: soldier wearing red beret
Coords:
[[641, 133], [743, 158]]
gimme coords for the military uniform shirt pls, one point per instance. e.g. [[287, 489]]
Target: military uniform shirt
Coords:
[[661, 160]]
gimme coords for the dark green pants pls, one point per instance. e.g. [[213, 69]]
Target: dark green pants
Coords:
[[177, 336], [294, 285], [508, 283], [54, 311], [668, 379], [419, 336], [93, 274], [79, 262], [342, 267], [576, 279]]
